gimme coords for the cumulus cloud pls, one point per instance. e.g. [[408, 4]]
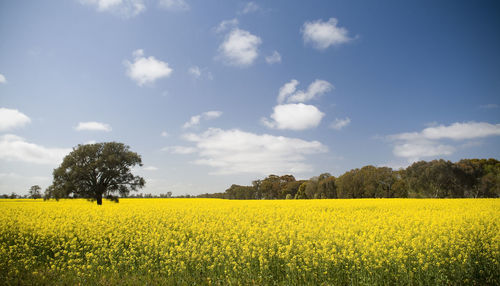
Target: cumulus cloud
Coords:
[[294, 116], [239, 48], [291, 113], [339, 123], [429, 141], [126, 8], [455, 131], [146, 70], [422, 148], [274, 58], [174, 5], [195, 120], [250, 7], [235, 151], [180, 150], [289, 94], [12, 118], [15, 148], [226, 25], [324, 34], [2, 79], [93, 126]]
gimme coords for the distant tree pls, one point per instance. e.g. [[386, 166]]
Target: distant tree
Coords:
[[481, 177], [435, 179], [285, 180], [289, 197], [349, 185], [399, 187], [312, 188], [326, 187], [237, 192], [301, 193], [13, 196], [94, 171], [270, 187], [256, 185], [34, 192], [291, 188]]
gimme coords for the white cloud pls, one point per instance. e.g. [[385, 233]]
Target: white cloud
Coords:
[[198, 73], [461, 131], [212, 114], [235, 151], [150, 168], [226, 25], [485, 106], [413, 151], [126, 8], [93, 126], [250, 7], [12, 118], [455, 131], [286, 90], [324, 34], [289, 94], [15, 148], [294, 116], [195, 120], [164, 134], [274, 58], [338, 124], [2, 78], [180, 150], [427, 143], [240, 48], [146, 70], [195, 71], [174, 5]]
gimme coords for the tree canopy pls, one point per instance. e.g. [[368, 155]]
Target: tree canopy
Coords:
[[94, 171], [468, 178]]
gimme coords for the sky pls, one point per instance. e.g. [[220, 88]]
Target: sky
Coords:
[[215, 93]]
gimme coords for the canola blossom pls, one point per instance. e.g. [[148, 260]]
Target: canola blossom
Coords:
[[222, 242]]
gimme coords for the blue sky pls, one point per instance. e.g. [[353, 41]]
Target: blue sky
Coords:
[[212, 93]]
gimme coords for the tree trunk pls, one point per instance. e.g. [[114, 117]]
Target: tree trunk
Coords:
[[99, 199]]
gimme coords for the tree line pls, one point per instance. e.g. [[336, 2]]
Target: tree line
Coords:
[[468, 178]]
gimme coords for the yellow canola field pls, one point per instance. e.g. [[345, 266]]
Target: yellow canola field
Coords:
[[282, 242]]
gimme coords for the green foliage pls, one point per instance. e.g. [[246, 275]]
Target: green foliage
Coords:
[[468, 178], [301, 194], [95, 171], [34, 192]]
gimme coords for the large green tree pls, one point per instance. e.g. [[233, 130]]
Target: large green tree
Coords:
[[94, 171]]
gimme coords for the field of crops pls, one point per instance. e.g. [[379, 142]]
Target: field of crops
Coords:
[[210, 241]]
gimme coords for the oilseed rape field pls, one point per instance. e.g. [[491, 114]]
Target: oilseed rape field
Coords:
[[222, 242]]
